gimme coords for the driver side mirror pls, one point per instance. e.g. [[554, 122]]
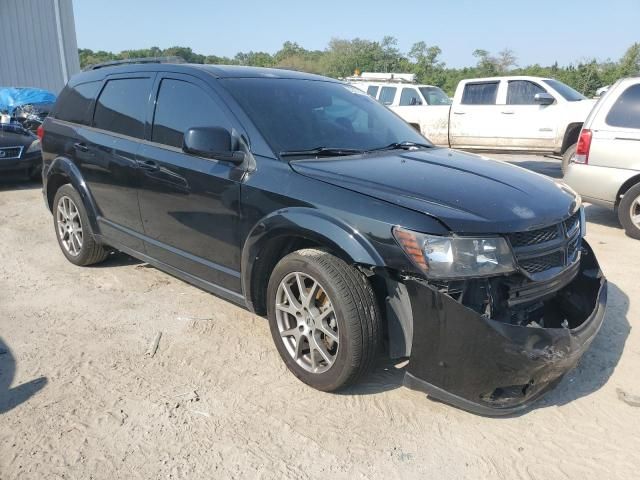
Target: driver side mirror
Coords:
[[543, 99], [211, 142]]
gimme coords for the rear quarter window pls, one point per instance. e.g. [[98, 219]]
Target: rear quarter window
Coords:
[[480, 93], [122, 106], [372, 90], [74, 103], [625, 112]]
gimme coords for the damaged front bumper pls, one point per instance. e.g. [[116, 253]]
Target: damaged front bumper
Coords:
[[495, 367]]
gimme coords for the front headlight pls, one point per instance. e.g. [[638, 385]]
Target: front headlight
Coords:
[[34, 147], [456, 257]]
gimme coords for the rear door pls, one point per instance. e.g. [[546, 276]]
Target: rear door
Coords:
[[616, 131], [524, 123], [190, 205], [475, 115], [106, 155], [430, 120]]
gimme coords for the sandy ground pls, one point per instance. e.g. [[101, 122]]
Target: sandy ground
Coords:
[[79, 398]]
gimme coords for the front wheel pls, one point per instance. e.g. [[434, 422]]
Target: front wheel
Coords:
[[629, 212], [324, 319], [567, 157]]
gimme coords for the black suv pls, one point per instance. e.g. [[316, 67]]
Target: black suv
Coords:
[[302, 198]]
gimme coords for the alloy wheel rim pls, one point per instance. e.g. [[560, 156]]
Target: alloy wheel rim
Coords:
[[69, 226], [635, 212], [307, 322]]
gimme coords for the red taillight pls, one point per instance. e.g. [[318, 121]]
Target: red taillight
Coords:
[[583, 147], [40, 132]]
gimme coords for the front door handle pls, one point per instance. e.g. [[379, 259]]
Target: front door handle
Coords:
[[81, 147], [148, 165], [459, 113], [508, 112]]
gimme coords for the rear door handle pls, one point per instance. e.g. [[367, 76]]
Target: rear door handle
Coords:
[[507, 112], [148, 165], [459, 113], [81, 147]]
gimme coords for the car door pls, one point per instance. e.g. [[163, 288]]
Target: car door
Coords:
[[189, 204], [106, 156], [430, 120], [525, 124], [615, 139], [474, 116]]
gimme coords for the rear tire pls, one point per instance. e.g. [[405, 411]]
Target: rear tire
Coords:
[[567, 156], [629, 212], [73, 230], [330, 340]]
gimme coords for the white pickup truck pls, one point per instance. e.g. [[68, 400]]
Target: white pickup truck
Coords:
[[501, 113]]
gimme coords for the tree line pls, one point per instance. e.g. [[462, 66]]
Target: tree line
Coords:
[[341, 58]]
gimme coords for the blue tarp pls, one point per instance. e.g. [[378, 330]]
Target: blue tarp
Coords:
[[11, 98]]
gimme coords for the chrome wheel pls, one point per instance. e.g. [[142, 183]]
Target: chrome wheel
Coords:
[[69, 226], [634, 212], [307, 322]]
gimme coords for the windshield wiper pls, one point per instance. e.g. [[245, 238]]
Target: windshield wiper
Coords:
[[322, 151], [401, 146]]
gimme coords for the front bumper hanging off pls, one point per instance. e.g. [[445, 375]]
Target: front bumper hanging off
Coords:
[[495, 368]]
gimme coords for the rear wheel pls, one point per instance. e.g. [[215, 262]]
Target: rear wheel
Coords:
[[73, 230], [323, 318], [567, 157], [629, 212]]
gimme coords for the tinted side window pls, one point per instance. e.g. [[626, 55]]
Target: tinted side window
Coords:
[[373, 91], [121, 107], [74, 103], [625, 112], [410, 96], [180, 106], [522, 92], [480, 93], [387, 94]]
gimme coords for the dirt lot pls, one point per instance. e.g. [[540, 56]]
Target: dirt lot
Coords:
[[79, 398]]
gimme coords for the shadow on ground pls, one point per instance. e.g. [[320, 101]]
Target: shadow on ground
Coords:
[[12, 397], [602, 216], [17, 182]]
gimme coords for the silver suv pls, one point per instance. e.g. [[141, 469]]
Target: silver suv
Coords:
[[606, 167]]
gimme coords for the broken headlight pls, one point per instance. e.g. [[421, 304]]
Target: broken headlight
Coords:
[[456, 257]]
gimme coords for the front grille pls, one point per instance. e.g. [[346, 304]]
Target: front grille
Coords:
[[542, 263], [534, 237], [8, 153], [552, 247]]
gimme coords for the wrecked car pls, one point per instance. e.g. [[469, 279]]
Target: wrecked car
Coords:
[[303, 199]]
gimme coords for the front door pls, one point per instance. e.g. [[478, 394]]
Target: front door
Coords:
[[190, 205], [474, 116]]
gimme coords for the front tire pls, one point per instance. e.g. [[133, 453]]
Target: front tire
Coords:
[[73, 230], [629, 212], [324, 319], [567, 157]]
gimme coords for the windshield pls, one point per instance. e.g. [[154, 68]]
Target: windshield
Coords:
[[566, 91], [298, 115], [435, 96]]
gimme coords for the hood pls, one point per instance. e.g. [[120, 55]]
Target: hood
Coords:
[[468, 193], [14, 136]]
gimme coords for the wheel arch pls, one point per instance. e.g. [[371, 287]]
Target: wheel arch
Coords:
[[63, 171], [625, 187], [571, 134], [288, 230]]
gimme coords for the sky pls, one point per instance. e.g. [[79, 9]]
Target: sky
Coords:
[[544, 31]]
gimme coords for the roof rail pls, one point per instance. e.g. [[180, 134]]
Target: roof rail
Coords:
[[136, 60]]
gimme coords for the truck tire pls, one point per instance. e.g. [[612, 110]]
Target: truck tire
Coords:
[[324, 319], [567, 156], [73, 229], [629, 212]]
